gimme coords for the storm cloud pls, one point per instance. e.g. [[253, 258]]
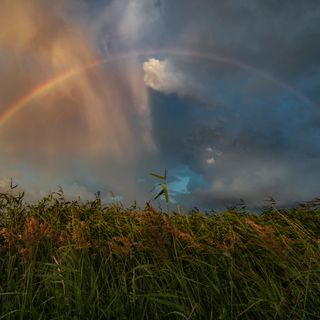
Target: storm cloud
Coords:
[[224, 94]]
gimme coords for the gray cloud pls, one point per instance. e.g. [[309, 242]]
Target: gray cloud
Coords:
[[268, 135], [246, 126]]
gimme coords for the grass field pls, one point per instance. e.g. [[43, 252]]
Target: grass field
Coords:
[[87, 260]]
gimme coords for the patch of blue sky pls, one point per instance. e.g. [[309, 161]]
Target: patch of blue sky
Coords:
[[179, 185]]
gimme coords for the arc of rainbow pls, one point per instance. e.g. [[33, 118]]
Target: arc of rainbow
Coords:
[[51, 83], [38, 91]]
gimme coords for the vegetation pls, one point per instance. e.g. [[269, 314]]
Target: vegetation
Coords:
[[163, 186], [75, 260]]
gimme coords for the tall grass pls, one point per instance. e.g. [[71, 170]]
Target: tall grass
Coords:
[[75, 260]]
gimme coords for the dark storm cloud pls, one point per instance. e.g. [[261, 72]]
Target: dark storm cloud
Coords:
[[280, 36], [264, 137], [247, 127]]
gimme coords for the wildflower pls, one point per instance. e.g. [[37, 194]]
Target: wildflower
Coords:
[[5, 233], [31, 233]]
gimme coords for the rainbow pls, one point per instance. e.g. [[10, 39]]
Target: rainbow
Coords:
[[46, 86], [39, 91]]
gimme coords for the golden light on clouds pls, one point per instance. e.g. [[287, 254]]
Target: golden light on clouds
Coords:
[[69, 108]]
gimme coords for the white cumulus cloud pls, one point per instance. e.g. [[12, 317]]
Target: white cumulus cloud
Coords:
[[161, 76]]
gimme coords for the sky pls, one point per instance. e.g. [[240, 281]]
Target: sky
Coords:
[[225, 95]]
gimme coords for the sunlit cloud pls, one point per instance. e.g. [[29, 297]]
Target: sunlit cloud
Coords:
[[211, 161], [101, 114], [159, 76]]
